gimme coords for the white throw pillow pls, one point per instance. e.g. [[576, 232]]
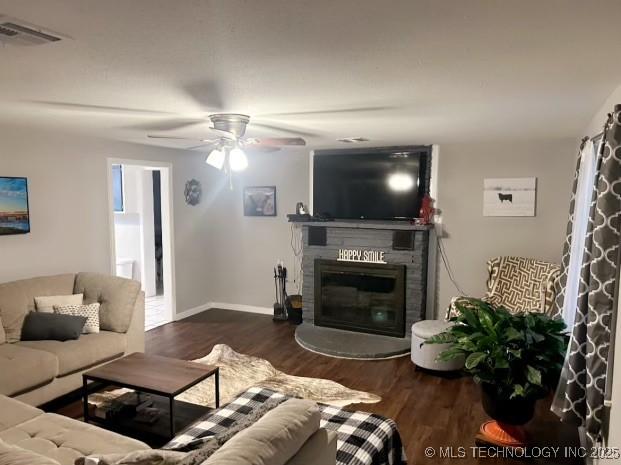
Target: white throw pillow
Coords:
[[91, 312], [46, 303]]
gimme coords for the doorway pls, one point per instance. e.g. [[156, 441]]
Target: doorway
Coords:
[[141, 233]]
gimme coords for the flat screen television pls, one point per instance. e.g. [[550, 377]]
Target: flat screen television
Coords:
[[373, 184]]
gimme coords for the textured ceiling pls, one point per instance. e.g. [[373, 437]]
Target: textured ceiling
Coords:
[[419, 71]]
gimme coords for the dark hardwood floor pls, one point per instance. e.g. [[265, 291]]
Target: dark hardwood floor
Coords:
[[430, 410]]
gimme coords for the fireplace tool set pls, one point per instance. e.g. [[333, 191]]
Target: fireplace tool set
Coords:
[[286, 307], [280, 282]]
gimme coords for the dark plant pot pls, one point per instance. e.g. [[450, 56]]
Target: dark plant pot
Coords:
[[509, 411]]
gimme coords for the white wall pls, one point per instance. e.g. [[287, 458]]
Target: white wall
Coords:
[[597, 122], [244, 250], [67, 180], [470, 238]]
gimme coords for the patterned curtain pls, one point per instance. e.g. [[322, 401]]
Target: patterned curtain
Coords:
[[581, 391]]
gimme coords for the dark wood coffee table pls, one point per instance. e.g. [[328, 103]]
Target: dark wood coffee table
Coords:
[[152, 374]]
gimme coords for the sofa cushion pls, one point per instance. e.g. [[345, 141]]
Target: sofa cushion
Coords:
[[51, 326], [13, 412], [23, 368], [14, 455], [64, 439], [76, 355], [319, 449], [46, 303], [117, 297], [272, 440], [17, 299]]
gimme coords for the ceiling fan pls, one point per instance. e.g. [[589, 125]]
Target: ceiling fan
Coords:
[[226, 143]]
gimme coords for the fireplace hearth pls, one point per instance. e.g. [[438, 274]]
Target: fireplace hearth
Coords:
[[361, 297]]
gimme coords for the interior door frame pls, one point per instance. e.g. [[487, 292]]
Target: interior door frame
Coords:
[[168, 230]]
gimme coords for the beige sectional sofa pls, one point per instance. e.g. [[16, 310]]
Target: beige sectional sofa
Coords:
[[288, 435], [60, 439], [39, 371]]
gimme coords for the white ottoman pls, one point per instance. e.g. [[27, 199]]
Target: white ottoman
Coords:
[[425, 355]]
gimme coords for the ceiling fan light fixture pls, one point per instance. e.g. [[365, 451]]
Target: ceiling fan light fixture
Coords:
[[216, 158], [238, 161]]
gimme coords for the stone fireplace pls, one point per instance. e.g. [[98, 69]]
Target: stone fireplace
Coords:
[[365, 284]]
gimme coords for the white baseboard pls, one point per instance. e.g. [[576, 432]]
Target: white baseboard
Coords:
[[243, 308], [192, 311], [225, 306]]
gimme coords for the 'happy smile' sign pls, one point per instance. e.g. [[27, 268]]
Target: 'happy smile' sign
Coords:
[[358, 255]]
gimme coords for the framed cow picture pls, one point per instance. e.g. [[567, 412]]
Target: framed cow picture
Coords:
[[260, 201], [509, 196]]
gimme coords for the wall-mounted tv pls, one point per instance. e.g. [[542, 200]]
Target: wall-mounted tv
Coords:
[[385, 183], [14, 214]]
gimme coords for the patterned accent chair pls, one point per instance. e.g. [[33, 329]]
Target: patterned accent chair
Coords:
[[518, 284]]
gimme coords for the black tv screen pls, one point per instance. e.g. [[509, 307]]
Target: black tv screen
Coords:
[[379, 184]]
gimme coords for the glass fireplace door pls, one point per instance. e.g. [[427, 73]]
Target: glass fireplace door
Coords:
[[360, 297]]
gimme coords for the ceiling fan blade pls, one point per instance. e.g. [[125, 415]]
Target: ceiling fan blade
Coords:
[[328, 112], [275, 141], [155, 136], [262, 148], [207, 94], [282, 128], [170, 125], [98, 108], [206, 146]]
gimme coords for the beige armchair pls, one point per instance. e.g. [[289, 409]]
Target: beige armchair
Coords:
[[518, 284]]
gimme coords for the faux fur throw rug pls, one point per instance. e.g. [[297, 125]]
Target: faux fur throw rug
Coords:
[[239, 372]]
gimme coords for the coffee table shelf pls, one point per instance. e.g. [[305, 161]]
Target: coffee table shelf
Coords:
[[162, 377]]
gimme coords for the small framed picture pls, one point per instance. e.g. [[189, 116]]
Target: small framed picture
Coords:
[[14, 212], [509, 196], [260, 201]]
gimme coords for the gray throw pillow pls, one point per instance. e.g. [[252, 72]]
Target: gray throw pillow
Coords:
[[52, 327]]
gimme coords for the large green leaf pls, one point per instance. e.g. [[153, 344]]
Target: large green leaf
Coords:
[[533, 375], [512, 334], [442, 338], [518, 391], [474, 359], [471, 319]]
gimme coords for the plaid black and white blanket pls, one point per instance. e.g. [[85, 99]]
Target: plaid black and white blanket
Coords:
[[363, 438]]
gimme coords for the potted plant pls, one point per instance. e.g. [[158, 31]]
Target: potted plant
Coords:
[[515, 358]]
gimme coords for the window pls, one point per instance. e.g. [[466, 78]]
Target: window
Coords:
[[584, 195], [117, 188]]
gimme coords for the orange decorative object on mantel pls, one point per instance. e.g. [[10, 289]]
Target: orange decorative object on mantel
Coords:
[[426, 210]]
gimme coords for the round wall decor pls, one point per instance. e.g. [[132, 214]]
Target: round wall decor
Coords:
[[193, 192]]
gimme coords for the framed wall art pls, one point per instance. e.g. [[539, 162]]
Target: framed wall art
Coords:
[[509, 196], [260, 201], [14, 212]]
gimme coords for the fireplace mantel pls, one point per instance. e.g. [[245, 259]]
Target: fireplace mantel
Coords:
[[360, 224]]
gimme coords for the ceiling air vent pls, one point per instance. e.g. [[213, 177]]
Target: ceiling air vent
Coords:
[[13, 32]]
